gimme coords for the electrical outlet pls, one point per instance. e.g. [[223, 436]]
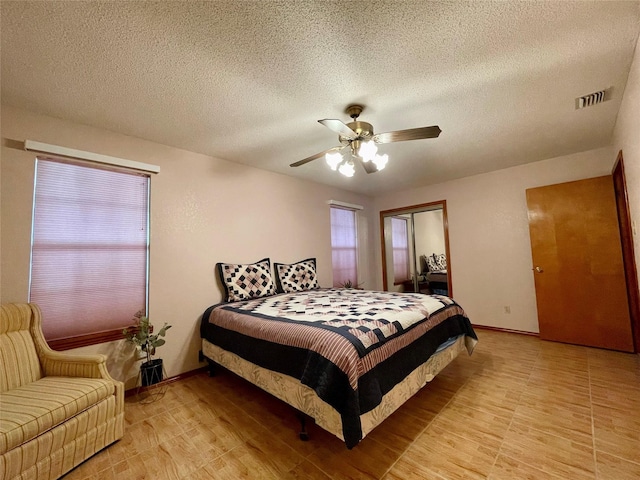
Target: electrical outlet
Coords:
[[507, 309]]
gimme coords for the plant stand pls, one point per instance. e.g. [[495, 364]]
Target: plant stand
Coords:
[[151, 372], [150, 385]]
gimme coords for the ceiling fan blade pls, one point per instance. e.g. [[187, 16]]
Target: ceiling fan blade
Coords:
[[316, 156], [339, 127], [410, 134]]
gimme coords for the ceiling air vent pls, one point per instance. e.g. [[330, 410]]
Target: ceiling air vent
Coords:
[[592, 99]]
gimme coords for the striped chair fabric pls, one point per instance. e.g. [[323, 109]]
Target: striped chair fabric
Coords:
[[56, 409]]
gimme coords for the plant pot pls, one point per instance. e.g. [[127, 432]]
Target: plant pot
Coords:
[[151, 372]]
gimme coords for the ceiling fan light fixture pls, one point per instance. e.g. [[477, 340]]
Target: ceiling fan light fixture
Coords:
[[380, 161], [362, 143], [347, 169], [367, 150], [333, 159]]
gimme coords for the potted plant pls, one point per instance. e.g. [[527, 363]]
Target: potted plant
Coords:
[[142, 336], [350, 284]]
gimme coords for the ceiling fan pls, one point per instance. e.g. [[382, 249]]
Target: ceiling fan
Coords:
[[363, 142]]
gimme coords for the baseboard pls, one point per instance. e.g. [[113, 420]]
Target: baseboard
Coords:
[[175, 378], [507, 330]]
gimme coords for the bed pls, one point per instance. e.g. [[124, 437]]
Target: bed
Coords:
[[347, 358]]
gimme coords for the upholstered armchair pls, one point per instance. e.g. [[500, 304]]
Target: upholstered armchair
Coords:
[[56, 409]]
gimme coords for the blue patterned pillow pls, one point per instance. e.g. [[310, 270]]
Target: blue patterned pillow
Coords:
[[246, 281], [297, 277]]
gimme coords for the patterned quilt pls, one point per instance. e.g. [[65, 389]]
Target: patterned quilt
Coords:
[[351, 346]]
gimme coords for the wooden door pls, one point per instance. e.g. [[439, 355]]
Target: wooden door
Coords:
[[577, 264]]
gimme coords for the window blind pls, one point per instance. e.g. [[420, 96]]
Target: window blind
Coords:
[[400, 245], [89, 251], [344, 246]]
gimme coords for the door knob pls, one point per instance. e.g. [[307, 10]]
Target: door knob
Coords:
[[539, 270]]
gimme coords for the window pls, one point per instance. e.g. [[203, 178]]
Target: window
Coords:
[[89, 251], [344, 246], [400, 245]]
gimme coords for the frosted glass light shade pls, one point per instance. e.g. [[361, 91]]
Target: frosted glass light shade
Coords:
[[333, 159], [347, 169], [380, 161], [368, 150]]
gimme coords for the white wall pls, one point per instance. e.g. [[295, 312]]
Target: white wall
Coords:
[[626, 137], [490, 262], [203, 210]]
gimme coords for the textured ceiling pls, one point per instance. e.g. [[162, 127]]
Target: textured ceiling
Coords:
[[247, 81]]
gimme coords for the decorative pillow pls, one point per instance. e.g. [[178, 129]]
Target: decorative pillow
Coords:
[[245, 281], [431, 263], [297, 277], [441, 261]]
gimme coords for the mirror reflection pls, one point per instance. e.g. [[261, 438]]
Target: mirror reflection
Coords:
[[415, 249]]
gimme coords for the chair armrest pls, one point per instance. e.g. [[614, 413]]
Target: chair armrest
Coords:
[[60, 364]]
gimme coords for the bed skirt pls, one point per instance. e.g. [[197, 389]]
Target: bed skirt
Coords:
[[304, 399]]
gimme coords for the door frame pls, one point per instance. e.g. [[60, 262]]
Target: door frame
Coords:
[[440, 204], [628, 253]]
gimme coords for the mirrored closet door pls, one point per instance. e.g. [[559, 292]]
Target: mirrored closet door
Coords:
[[415, 249]]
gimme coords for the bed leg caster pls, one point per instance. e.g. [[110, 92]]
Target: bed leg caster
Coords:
[[303, 435]]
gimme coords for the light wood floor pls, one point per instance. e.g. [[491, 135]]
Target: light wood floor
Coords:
[[518, 408]]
